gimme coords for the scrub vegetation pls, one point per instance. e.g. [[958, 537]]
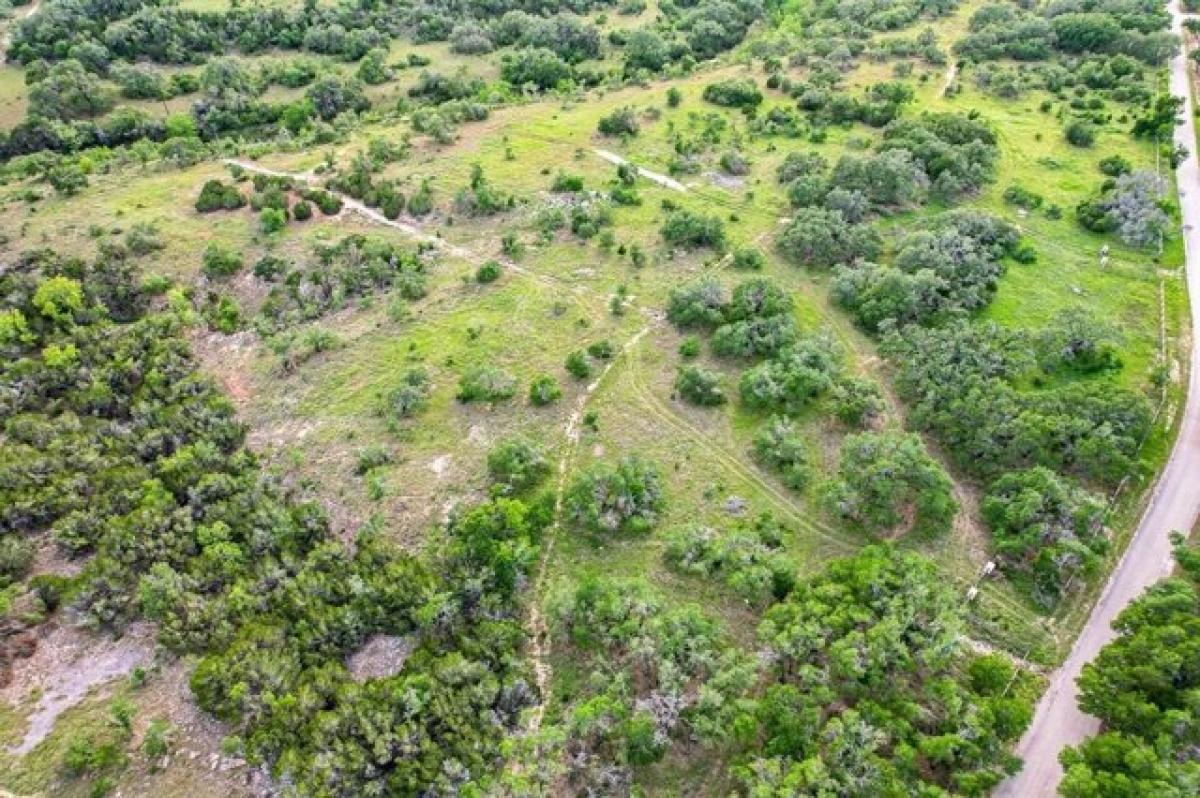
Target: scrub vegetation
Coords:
[[688, 398]]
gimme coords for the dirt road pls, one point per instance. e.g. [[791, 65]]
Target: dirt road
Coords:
[[654, 177], [1175, 504]]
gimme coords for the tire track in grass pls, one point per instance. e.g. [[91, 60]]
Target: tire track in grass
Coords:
[[782, 502], [539, 632]]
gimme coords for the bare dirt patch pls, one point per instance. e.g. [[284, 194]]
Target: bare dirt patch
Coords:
[[228, 359], [67, 664], [195, 766], [379, 657]]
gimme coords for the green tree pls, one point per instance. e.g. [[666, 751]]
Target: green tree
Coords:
[[821, 238], [59, 298], [624, 498], [68, 92], [700, 387], [220, 262], [517, 465], [1143, 686], [887, 482], [544, 390]]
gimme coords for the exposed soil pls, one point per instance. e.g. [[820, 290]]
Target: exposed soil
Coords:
[[381, 656], [66, 665]]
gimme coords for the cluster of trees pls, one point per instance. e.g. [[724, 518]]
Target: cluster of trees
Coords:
[[1105, 27], [962, 380], [692, 230], [129, 460], [780, 446], [486, 383], [949, 269], [70, 107], [882, 15], [942, 155], [1143, 687], [748, 558], [657, 677], [856, 185], [354, 267], [734, 93], [886, 482], [793, 371], [758, 321], [795, 378], [627, 497], [881, 103], [76, 50], [870, 691], [957, 151], [866, 689], [1132, 205], [1045, 530]]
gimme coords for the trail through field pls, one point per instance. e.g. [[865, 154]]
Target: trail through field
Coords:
[[1173, 505], [351, 204], [655, 177], [784, 503], [539, 633], [951, 74], [410, 229]]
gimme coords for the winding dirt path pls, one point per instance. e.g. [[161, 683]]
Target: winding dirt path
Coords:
[[539, 632], [410, 229], [782, 501], [951, 74]]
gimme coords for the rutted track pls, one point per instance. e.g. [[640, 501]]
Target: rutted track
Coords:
[[782, 502], [539, 633]]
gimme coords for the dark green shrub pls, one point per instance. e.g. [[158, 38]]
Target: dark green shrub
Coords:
[[627, 498], [409, 397], [517, 465], [578, 365], [619, 124], [489, 272], [486, 383], [602, 350], [565, 183], [689, 347], [1080, 133], [749, 259], [220, 262], [780, 446], [216, 196], [1115, 166], [733, 93], [856, 401], [699, 387], [691, 230], [544, 390]]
